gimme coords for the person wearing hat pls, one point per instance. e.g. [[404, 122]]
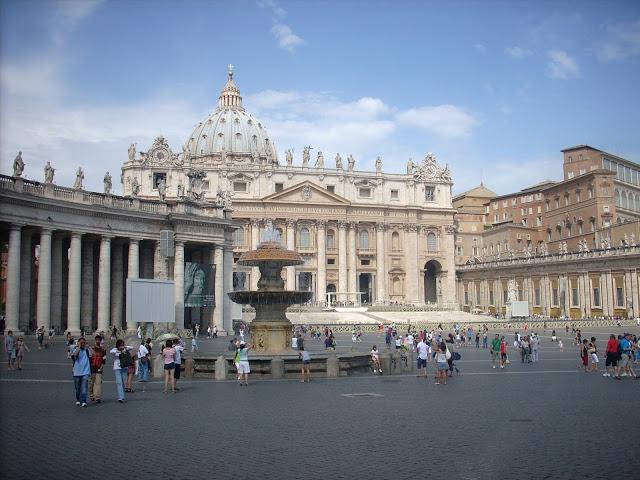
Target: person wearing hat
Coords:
[[243, 363]]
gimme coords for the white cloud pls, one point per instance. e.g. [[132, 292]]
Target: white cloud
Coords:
[[272, 6], [287, 40], [623, 40], [36, 76], [73, 11], [446, 121], [562, 65], [480, 48], [516, 52]]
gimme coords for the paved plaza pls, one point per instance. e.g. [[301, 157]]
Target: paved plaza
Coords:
[[546, 420]]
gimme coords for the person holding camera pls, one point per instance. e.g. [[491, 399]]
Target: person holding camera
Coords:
[[122, 360], [99, 355], [81, 357]]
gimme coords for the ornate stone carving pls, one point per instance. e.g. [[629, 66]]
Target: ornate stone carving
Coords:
[[135, 187], [196, 183], [410, 167], [162, 189], [411, 227], [450, 229], [49, 172], [18, 165], [108, 184], [381, 227], [132, 152], [342, 225], [289, 157], [512, 291], [321, 224], [77, 185], [350, 162], [160, 154], [306, 192], [320, 160], [338, 162], [430, 171], [291, 222], [223, 199], [378, 165], [306, 155]]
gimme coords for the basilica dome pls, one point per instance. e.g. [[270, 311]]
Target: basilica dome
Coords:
[[230, 133]]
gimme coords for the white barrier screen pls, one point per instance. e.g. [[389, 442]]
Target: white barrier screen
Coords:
[[520, 309], [150, 301]]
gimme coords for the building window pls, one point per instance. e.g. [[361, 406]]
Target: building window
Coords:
[[619, 297], [432, 244], [238, 237], [331, 261], [505, 296], [569, 159], [364, 239], [491, 296], [394, 195], [331, 188], [240, 187], [466, 297], [566, 200], [395, 241], [279, 187], [331, 239], [577, 195], [557, 203], [429, 194], [538, 221], [159, 177], [305, 237], [596, 296], [574, 297], [365, 193], [605, 189], [365, 262], [459, 251], [536, 296], [554, 297], [590, 192]]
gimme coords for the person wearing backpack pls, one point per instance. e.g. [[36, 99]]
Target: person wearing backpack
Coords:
[[81, 357], [122, 360], [99, 355]]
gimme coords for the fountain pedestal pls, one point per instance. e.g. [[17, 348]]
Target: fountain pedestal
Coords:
[[271, 337]]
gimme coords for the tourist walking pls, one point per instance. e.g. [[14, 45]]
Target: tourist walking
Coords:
[[375, 359], [40, 337], [194, 345], [441, 362], [593, 354], [485, 339], [131, 371], [143, 364], [179, 348], [21, 347], [423, 356], [169, 357], [306, 364], [52, 334], [10, 348], [626, 349], [503, 352], [495, 351], [81, 357], [243, 363], [98, 358], [584, 355], [535, 345], [122, 360], [611, 360]]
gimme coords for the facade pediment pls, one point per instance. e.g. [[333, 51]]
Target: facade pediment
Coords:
[[306, 192]]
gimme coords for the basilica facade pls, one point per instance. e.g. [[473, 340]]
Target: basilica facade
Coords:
[[365, 236]]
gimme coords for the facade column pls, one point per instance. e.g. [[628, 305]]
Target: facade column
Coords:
[[26, 276], [342, 261], [628, 293], [13, 280], [352, 279], [411, 267], [635, 293], [178, 278], [291, 245], [43, 307], [160, 267], [227, 261], [56, 281], [610, 293], [218, 311], [255, 241], [321, 259], [104, 285], [74, 295], [133, 262], [86, 307], [381, 293], [117, 276]]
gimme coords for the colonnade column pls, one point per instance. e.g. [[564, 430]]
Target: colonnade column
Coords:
[[74, 294], [342, 261], [26, 274], [43, 306], [291, 245], [13, 279], [104, 284], [380, 267], [353, 257], [117, 290], [228, 286], [610, 293], [635, 293], [218, 311], [321, 284], [86, 306], [410, 263], [178, 278], [56, 281], [255, 241], [133, 262]]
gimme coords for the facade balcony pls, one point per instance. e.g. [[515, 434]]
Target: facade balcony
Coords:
[[366, 251]]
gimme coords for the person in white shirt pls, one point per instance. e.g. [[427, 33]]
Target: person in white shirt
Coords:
[[143, 363], [375, 358], [120, 371], [179, 347], [410, 343], [398, 342], [194, 345], [423, 357]]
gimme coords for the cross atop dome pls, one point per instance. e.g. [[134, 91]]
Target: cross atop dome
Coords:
[[230, 94], [230, 71]]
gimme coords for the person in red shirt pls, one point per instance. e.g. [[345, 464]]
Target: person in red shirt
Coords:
[[503, 352], [612, 357]]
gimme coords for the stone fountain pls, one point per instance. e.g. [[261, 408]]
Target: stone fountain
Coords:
[[271, 329]]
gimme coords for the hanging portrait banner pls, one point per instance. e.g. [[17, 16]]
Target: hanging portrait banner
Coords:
[[199, 285]]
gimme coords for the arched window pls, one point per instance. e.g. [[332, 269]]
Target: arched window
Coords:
[[491, 250], [238, 236], [432, 244], [397, 286], [305, 238], [395, 241], [623, 200], [331, 239], [280, 233], [617, 193], [364, 239]]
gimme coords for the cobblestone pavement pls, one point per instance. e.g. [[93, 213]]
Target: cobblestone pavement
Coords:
[[546, 420]]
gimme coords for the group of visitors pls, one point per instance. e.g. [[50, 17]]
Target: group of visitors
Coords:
[[15, 349], [621, 353]]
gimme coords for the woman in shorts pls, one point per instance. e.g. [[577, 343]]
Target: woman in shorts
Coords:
[[243, 364], [593, 353], [441, 362], [169, 356], [306, 365]]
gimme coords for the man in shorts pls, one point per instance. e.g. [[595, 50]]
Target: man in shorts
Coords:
[[495, 350], [423, 355], [612, 357], [306, 365], [625, 365]]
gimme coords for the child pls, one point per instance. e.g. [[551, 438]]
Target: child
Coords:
[[560, 345], [306, 365], [20, 349]]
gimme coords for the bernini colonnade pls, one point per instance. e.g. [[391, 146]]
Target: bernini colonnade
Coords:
[[70, 252]]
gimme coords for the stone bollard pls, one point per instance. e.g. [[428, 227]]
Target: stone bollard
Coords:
[[158, 366], [188, 368], [221, 368], [385, 363], [333, 366], [277, 367]]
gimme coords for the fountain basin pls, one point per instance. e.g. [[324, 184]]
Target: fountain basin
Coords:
[[270, 297]]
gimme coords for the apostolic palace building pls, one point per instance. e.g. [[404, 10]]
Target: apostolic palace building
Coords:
[[365, 237]]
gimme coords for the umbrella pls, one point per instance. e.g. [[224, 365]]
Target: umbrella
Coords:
[[167, 336]]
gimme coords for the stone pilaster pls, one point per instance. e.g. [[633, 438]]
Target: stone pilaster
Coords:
[[352, 279], [410, 263], [321, 261], [291, 245], [218, 312], [13, 279], [178, 278], [43, 307], [342, 261], [228, 287], [86, 307], [74, 296], [380, 264]]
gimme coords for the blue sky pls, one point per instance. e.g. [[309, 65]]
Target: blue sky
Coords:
[[494, 89]]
